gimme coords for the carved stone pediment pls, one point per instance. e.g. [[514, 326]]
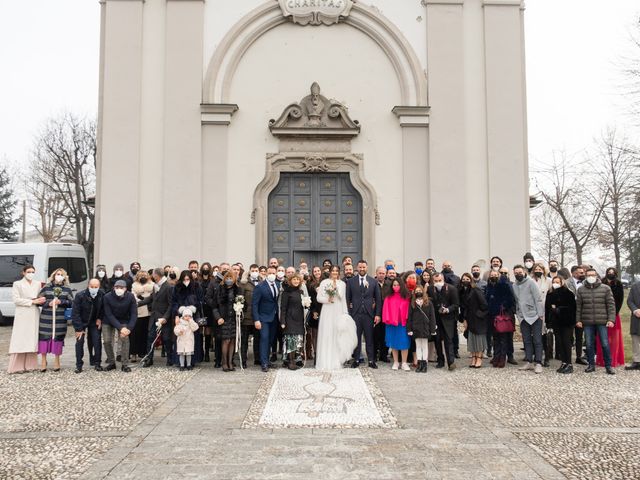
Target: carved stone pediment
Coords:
[[315, 116], [316, 12]]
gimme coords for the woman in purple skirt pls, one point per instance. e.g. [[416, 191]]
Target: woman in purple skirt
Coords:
[[53, 326]]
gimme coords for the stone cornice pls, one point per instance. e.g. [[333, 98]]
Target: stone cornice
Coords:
[[442, 2], [412, 116], [217, 113]]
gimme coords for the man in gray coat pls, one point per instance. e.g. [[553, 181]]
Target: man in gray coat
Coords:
[[530, 310], [634, 305], [595, 313]]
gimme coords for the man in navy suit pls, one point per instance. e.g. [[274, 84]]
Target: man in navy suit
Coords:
[[365, 307], [265, 314]]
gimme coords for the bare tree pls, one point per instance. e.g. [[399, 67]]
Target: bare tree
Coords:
[[51, 222], [65, 165], [617, 168], [550, 237], [575, 195], [631, 240]]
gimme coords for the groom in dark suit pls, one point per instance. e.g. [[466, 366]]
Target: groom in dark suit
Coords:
[[265, 314], [365, 306]]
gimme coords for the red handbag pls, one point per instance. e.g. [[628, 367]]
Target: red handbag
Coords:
[[503, 323]]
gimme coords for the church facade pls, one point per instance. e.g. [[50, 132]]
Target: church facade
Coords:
[[311, 129]]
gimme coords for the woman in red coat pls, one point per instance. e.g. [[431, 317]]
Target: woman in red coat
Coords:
[[616, 343]]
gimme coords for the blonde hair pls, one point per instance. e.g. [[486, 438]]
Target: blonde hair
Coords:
[[52, 278]]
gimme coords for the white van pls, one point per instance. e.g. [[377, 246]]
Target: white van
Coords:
[[45, 257]]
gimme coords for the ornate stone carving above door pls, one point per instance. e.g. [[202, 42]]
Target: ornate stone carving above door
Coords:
[[315, 116], [316, 12]]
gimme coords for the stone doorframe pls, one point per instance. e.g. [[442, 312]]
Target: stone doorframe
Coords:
[[314, 162]]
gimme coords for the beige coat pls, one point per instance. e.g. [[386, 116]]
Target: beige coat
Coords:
[[24, 336], [185, 340], [144, 291]]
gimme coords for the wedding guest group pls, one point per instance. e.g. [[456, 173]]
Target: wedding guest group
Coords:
[[327, 316]]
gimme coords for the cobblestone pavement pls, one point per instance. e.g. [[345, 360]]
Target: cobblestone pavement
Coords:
[[485, 424]]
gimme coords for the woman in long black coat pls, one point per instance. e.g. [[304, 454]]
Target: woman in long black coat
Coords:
[[560, 316], [187, 292], [225, 317], [474, 309], [292, 320]]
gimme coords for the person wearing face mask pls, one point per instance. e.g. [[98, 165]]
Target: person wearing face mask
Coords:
[[87, 322], [265, 314], [553, 269], [187, 293], [501, 301], [596, 314], [529, 263], [159, 303], [225, 316], [616, 342], [421, 326], [449, 277], [23, 347], [211, 299], [560, 316], [473, 311], [445, 303], [130, 276], [531, 311], [248, 328], [120, 315], [395, 310], [204, 279], [103, 278], [118, 274], [418, 267], [142, 289], [411, 281], [539, 275], [53, 326], [574, 284]]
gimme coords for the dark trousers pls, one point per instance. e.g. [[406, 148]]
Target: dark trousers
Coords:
[[92, 333], [267, 336], [382, 351], [364, 325], [249, 331], [579, 333], [443, 337], [490, 337], [456, 342], [151, 338], [590, 332], [510, 345], [501, 345], [564, 338]]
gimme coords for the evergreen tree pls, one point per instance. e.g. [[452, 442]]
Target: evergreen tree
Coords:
[[7, 208]]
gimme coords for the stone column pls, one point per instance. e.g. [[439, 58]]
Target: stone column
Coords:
[[447, 134], [507, 129], [182, 164], [215, 142], [119, 131], [414, 122]]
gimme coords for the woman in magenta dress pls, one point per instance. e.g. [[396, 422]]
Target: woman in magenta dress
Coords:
[[395, 311], [616, 343]]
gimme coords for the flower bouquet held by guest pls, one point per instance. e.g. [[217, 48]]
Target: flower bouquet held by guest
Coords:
[[185, 339], [53, 326], [225, 316], [292, 319], [23, 348]]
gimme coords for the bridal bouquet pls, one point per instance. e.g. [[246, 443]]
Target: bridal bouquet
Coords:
[[238, 304], [332, 291]]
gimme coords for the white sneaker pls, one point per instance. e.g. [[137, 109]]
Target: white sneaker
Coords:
[[526, 366], [406, 367], [538, 368], [395, 366]]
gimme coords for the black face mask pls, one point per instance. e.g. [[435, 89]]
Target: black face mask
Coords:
[[446, 270], [173, 276], [519, 277], [611, 276], [466, 285], [476, 274], [553, 269], [134, 271], [538, 274], [493, 280], [419, 295], [143, 281]]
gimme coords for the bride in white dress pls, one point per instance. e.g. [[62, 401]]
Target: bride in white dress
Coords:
[[336, 330]]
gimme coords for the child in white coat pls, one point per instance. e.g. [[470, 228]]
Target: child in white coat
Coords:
[[185, 342]]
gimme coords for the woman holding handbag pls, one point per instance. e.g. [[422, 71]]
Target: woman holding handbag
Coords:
[[501, 302]]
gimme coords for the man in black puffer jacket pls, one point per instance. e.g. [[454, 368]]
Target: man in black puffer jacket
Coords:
[[596, 312]]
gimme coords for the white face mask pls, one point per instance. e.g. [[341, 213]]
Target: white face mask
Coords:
[[101, 274], [556, 285], [528, 264], [271, 278], [117, 273], [59, 278], [591, 280], [419, 302], [119, 291], [29, 276], [439, 285], [304, 272], [186, 283], [254, 275], [280, 275], [93, 291]]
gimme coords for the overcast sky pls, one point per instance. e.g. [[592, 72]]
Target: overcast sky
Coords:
[[575, 54]]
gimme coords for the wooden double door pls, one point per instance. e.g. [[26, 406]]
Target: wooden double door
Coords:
[[314, 216]]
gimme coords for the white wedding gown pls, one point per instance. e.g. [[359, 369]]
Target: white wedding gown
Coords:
[[337, 336]]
